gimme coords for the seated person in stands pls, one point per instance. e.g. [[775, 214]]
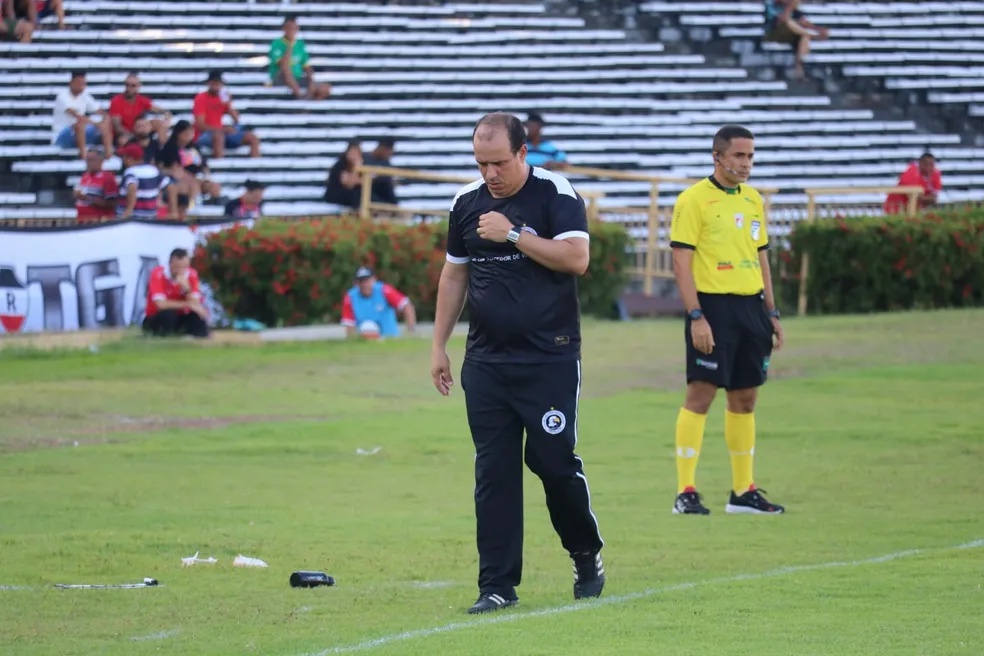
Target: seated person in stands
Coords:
[[174, 300], [97, 191], [148, 139], [180, 160], [382, 185], [209, 109], [11, 27], [140, 192], [71, 126], [540, 152], [125, 108], [249, 205], [344, 180], [922, 173], [369, 308], [785, 23], [290, 64], [34, 11]]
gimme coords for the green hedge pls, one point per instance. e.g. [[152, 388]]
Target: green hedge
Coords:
[[296, 272], [933, 260]]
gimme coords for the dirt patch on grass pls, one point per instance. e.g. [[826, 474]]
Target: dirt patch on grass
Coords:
[[105, 426]]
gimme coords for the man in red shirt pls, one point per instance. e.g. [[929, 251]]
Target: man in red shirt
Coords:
[[370, 307], [125, 108], [97, 191], [922, 173], [209, 109], [174, 302]]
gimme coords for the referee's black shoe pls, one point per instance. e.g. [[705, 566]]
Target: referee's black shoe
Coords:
[[689, 502], [589, 575], [752, 503], [488, 602]]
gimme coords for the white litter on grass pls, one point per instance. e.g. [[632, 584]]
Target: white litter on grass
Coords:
[[246, 561], [195, 560], [505, 616], [431, 585], [161, 635], [372, 452]]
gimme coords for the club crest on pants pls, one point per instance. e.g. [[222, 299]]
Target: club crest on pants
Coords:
[[554, 421]]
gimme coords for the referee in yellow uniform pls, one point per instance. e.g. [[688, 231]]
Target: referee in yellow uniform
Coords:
[[720, 240]]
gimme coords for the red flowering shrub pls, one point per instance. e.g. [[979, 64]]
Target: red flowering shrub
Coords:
[[296, 272], [932, 260]]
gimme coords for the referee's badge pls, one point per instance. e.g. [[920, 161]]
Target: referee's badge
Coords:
[[739, 221], [554, 422], [756, 227]]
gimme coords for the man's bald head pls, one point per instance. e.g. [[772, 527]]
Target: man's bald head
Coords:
[[492, 124]]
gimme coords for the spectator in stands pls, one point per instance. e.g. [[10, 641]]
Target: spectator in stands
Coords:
[[249, 205], [344, 180], [125, 108], [71, 126], [290, 64], [34, 11], [11, 27], [540, 152], [922, 173], [181, 161], [209, 109], [370, 307], [382, 185], [147, 139], [140, 193], [97, 191], [785, 23], [174, 299]]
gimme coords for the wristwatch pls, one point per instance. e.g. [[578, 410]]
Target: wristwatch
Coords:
[[774, 313], [694, 315], [512, 235]]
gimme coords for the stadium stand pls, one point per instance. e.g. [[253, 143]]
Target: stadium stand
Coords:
[[423, 72]]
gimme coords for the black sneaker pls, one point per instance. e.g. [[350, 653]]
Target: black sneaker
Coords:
[[589, 575], [689, 503], [488, 602], [752, 503]]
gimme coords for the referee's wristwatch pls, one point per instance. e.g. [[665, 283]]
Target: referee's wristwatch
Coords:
[[774, 314], [512, 235], [695, 315]]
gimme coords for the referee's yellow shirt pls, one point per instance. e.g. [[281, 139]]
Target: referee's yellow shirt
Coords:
[[726, 228]]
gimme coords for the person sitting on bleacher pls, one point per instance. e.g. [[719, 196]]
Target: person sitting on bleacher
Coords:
[[249, 205], [785, 23], [382, 185], [34, 11], [71, 126], [140, 193], [125, 108], [209, 109], [11, 27], [147, 139], [922, 173], [539, 151], [96, 195], [344, 186], [180, 160], [290, 64]]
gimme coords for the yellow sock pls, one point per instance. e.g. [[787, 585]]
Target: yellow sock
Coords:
[[739, 433], [689, 435]]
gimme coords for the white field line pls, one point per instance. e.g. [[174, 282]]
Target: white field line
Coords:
[[506, 616]]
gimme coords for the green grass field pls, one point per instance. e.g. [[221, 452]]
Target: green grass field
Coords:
[[115, 465]]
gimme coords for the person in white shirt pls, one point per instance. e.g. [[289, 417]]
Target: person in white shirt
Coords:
[[71, 126]]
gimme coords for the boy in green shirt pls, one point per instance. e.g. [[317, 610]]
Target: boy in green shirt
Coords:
[[290, 64]]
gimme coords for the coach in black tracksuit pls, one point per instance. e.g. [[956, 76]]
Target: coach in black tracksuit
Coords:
[[517, 240]]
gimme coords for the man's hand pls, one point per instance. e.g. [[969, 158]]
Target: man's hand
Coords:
[[441, 371], [700, 334], [780, 336], [198, 309], [494, 226]]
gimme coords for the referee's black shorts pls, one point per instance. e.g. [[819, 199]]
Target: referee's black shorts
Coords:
[[742, 333]]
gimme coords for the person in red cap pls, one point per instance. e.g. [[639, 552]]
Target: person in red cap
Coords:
[[140, 193]]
